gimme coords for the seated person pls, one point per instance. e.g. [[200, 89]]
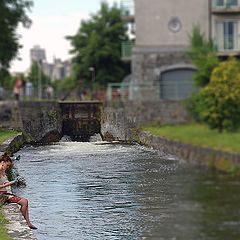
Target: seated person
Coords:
[[5, 189]]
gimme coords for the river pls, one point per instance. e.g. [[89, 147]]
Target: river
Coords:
[[85, 191]]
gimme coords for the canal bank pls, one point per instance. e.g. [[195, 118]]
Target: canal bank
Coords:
[[16, 225], [119, 124]]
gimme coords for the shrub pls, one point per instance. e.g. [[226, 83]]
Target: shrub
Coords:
[[219, 101]]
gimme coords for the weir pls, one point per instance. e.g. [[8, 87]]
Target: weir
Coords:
[[46, 122], [80, 120]]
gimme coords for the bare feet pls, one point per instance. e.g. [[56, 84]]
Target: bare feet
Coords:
[[32, 226]]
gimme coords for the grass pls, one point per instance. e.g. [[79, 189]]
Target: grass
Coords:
[[6, 134], [197, 134], [3, 231]]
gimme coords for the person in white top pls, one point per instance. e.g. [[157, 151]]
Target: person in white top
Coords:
[[5, 189]]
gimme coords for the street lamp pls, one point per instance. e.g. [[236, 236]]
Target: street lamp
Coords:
[[92, 70]]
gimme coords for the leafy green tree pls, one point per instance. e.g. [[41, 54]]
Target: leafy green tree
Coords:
[[11, 14], [37, 74], [6, 79], [219, 104], [97, 45], [203, 54]]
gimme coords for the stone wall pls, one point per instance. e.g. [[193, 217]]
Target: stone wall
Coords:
[[9, 115], [161, 111], [41, 121], [147, 63], [221, 160], [122, 123], [116, 125]]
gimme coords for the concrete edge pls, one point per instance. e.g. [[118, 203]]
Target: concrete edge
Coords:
[[216, 159]]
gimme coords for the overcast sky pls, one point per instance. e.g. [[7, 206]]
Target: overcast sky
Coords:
[[52, 21]]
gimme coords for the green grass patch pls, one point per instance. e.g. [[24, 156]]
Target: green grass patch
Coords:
[[198, 135], [4, 135], [3, 231]]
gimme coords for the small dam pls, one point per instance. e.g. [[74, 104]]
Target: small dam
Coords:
[[48, 121]]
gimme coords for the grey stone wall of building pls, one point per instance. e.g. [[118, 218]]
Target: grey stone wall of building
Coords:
[[42, 121], [146, 64]]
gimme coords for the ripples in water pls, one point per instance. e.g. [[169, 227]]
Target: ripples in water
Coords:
[[113, 191]]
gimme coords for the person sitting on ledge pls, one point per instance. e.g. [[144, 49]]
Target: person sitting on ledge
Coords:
[[5, 189]]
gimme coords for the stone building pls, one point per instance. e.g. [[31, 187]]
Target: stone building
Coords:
[[160, 66]]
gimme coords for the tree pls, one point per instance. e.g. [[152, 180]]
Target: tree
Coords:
[[97, 45], [11, 14], [37, 74], [203, 54], [219, 104]]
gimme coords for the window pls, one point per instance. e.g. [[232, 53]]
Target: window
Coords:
[[226, 35], [219, 3], [231, 3], [226, 3]]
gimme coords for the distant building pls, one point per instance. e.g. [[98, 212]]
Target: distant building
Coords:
[[37, 54], [57, 70]]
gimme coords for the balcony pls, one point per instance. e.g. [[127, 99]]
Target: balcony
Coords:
[[225, 6], [127, 7], [127, 50]]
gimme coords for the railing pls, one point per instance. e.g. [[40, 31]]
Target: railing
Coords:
[[127, 49], [127, 7]]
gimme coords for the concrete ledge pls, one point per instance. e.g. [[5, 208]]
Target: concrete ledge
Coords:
[[221, 160], [17, 227]]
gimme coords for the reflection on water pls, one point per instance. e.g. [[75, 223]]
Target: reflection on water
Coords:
[[106, 191]]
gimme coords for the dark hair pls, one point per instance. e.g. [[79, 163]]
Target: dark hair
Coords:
[[6, 158]]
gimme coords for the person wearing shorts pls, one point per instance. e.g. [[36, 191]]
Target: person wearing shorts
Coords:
[[5, 189]]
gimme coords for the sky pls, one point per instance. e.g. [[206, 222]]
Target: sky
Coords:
[[52, 21]]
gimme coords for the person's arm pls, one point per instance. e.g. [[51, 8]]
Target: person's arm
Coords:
[[7, 184]]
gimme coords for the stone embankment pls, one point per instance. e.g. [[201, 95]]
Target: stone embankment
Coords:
[[217, 159], [16, 227], [119, 125]]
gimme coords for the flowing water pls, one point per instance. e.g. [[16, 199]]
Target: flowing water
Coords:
[[85, 191]]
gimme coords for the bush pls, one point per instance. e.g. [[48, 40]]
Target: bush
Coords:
[[218, 103]]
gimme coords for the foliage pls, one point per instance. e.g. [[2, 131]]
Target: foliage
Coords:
[[219, 104], [197, 134], [3, 231], [11, 14], [36, 74], [97, 44], [6, 80], [66, 84], [203, 55]]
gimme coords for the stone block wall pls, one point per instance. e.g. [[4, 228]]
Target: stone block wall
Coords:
[[147, 63], [42, 121], [116, 125]]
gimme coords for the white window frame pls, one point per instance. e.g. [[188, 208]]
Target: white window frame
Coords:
[[220, 45]]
